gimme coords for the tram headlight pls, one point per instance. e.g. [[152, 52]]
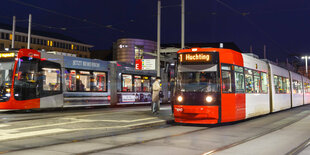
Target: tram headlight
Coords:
[[209, 99], [180, 98]]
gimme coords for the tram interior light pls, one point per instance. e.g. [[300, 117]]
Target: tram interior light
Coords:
[[180, 98]]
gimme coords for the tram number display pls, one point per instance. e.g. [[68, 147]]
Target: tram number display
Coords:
[[195, 57]]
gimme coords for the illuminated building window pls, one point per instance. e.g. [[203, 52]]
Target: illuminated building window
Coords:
[[139, 52], [11, 36], [72, 46]]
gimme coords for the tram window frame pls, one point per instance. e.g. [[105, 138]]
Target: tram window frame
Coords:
[[95, 79], [265, 88], [25, 88], [122, 84], [256, 76], [238, 70], [68, 73], [144, 79], [225, 68], [281, 84], [249, 73], [307, 87], [135, 79], [77, 74], [288, 86], [83, 86], [58, 85], [297, 87]]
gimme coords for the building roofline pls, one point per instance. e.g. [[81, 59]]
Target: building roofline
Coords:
[[42, 34]]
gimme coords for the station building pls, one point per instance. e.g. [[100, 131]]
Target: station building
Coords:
[[40, 40], [129, 49]]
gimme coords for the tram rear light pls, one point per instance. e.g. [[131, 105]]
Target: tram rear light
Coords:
[[109, 98], [180, 98], [209, 99]]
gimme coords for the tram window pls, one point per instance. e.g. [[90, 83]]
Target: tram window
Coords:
[[288, 85], [83, 81], [284, 85], [226, 68], [70, 76], [249, 82], [279, 83], [239, 79], [226, 82], [100, 81], [307, 88], [126, 83], [257, 82], [299, 87], [146, 84], [295, 86], [138, 83], [26, 80], [50, 81], [264, 81]]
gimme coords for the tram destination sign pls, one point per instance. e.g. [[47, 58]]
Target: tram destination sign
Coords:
[[195, 57], [7, 55]]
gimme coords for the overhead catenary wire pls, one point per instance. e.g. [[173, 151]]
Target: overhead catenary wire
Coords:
[[84, 20], [245, 15]]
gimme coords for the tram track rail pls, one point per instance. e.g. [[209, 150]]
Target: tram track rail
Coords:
[[18, 116], [222, 148], [302, 146], [298, 149]]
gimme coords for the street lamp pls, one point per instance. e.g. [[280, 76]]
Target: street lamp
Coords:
[[306, 62]]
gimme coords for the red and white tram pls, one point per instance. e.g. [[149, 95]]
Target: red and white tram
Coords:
[[31, 79], [216, 85]]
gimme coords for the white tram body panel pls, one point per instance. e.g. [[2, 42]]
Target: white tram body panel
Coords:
[[52, 101], [57, 99], [257, 103], [306, 93], [297, 98], [279, 101]]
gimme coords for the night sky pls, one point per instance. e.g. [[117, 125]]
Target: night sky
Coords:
[[283, 25]]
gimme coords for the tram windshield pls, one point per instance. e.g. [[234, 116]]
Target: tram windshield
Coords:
[[197, 82], [6, 72]]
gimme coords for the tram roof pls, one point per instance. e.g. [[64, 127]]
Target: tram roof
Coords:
[[226, 45]]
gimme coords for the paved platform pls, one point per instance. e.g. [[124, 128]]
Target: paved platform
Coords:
[[125, 131], [62, 127]]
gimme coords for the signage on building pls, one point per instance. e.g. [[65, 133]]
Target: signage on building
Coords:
[[148, 64], [145, 64], [138, 64]]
